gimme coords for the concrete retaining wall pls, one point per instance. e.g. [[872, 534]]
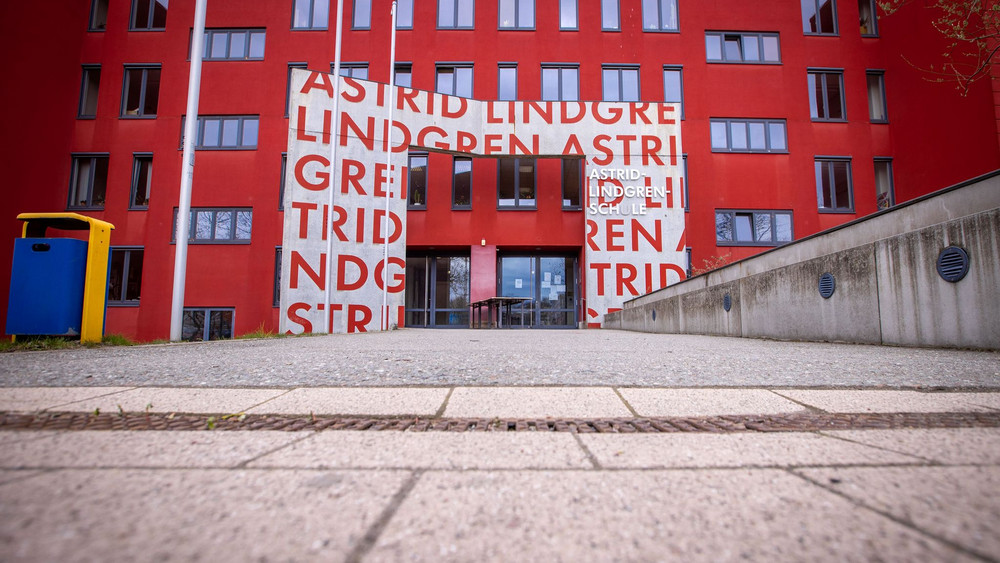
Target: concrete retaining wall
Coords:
[[887, 291]]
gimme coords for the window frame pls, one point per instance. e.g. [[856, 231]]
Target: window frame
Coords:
[[660, 11], [126, 267], [409, 184], [606, 4], [880, 75], [276, 302], [579, 163], [351, 68], [814, 74], [133, 13], [143, 91], [872, 9], [517, 184], [831, 176], [311, 16], [679, 69], [404, 26], [397, 69], [753, 213], [685, 190], [200, 132], [887, 161], [452, 67], [288, 84], [767, 135], [94, 13], [192, 225], [75, 158], [621, 69], [454, 182], [354, 16], [500, 68], [85, 93], [575, 67], [576, 15], [137, 159], [456, 4], [228, 32], [759, 36], [517, 16], [206, 321], [817, 7], [281, 186]]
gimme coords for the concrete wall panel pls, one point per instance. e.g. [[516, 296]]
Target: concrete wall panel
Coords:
[[701, 312]]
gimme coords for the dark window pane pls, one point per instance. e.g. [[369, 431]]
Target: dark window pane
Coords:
[[143, 178], [116, 275], [572, 182], [526, 181], [842, 181], [88, 97], [133, 90], [724, 227], [133, 285], [159, 14], [141, 14], [418, 180], [99, 15], [463, 182], [762, 227], [152, 91], [193, 325], [244, 224], [836, 110], [100, 181], [732, 45], [505, 181], [223, 226], [220, 325]]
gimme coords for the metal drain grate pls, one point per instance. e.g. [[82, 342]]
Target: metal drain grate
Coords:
[[827, 285], [953, 264]]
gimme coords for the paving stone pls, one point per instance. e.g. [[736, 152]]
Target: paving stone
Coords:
[[706, 402], [189, 515], [440, 450], [535, 402], [372, 401], [708, 515], [951, 446], [181, 400], [877, 400], [961, 504], [30, 399]]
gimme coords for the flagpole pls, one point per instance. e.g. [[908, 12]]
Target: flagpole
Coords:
[[388, 169], [328, 228], [187, 174]]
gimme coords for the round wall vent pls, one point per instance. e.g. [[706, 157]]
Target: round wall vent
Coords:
[[727, 302], [827, 285], [953, 264], [654, 314]]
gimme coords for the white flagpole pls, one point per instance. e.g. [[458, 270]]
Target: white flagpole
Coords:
[[187, 174], [333, 171], [388, 169]]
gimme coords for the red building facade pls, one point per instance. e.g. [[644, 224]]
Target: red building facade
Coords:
[[795, 120]]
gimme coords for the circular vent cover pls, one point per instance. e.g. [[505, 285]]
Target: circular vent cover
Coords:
[[827, 285], [953, 264], [727, 302], [654, 314]]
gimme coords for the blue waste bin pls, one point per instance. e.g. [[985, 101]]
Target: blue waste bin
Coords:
[[46, 287]]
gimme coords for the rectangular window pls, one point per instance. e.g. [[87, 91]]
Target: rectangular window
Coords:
[[404, 75], [659, 15], [98, 15], [124, 277], [281, 184], [362, 14], [207, 324], [868, 17], [610, 16], [148, 15], [673, 86], [142, 180], [456, 14], [741, 47], [517, 14], [310, 14], [140, 91], [277, 277], [753, 227], [819, 17], [621, 83], [288, 84], [218, 225], [507, 81], [749, 135], [685, 183], [224, 132], [826, 95], [88, 91], [234, 45], [516, 182], [568, 15], [560, 83], [417, 181], [885, 193], [572, 182], [404, 14], [353, 70], [461, 188], [454, 80], [88, 181], [833, 185], [876, 97]]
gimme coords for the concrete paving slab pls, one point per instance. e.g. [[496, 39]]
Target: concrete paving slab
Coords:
[[189, 515], [31, 399], [706, 402], [710, 515], [637, 451], [855, 401], [373, 401], [144, 449], [535, 402], [181, 400], [437, 450], [951, 446], [961, 504]]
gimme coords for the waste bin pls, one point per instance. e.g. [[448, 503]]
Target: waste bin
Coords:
[[58, 286]]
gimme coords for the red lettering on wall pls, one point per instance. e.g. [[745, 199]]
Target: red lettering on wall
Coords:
[[383, 176], [293, 316], [492, 143], [422, 137], [299, 263], [318, 81], [516, 145], [339, 220], [591, 233], [358, 316], [446, 110], [351, 175], [624, 280], [613, 235], [355, 91], [651, 146], [395, 231], [638, 111], [362, 274], [465, 141], [600, 268], [650, 204], [367, 137], [399, 277], [304, 209], [564, 113], [599, 144], [300, 126], [323, 177], [654, 239], [543, 109], [614, 114], [572, 146], [406, 95]]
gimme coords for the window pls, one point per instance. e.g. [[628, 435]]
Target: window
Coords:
[[819, 17], [88, 91], [461, 187], [417, 181], [124, 277], [234, 45], [739, 47], [455, 14], [362, 14], [277, 277], [225, 132], [140, 91], [517, 14], [876, 97], [621, 83], [868, 19], [148, 14], [684, 180], [826, 96], [561, 83], [833, 185], [659, 15], [404, 14], [752, 227], [568, 15], [218, 225], [454, 80], [687, 270], [748, 135], [288, 85], [281, 185], [610, 20], [516, 182], [673, 86], [572, 182], [404, 75], [98, 15], [207, 324], [353, 70], [507, 81], [88, 181], [310, 14], [885, 193], [142, 180]]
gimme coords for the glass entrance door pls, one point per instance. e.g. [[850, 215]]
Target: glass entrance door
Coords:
[[548, 285], [437, 291]]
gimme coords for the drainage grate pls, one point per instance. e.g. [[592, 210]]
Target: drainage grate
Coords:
[[953, 264], [727, 302], [827, 285]]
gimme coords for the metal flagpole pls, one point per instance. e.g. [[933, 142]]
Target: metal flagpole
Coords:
[[388, 169], [328, 285], [187, 174]]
